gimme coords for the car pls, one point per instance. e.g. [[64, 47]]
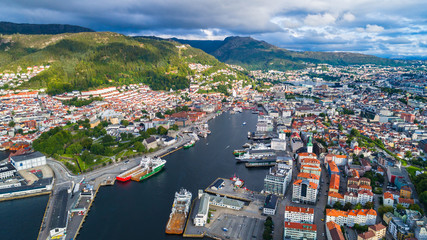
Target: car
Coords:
[[323, 220]]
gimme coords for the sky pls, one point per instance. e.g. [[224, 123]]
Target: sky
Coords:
[[388, 28]]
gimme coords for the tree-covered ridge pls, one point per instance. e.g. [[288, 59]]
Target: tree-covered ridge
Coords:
[[26, 28], [260, 55], [83, 61]]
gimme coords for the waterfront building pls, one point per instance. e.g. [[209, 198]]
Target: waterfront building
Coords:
[[300, 231], [201, 217], [7, 171], [30, 160], [299, 214], [270, 205], [278, 178], [226, 202], [278, 144], [304, 191]]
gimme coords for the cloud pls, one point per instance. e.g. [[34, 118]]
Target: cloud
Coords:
[[349, 17], [383, 27], [374, 28], [319, 19]]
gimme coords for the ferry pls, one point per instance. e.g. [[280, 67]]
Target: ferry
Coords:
[[180, 208], [189, 145], [239, 152], [146, 168]]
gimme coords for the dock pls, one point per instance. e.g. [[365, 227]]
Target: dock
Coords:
[[228, 190], [176, 149]]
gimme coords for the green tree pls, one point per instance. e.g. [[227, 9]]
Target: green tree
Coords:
[[416, 207], [162, 131], [384, 209], [408, 154], [354, 132], [369, 205], [358, 206], [86, 142], [12, 124], [159, 115], [139, 147], [340, 127], [87, 157], [124, 123], [151, 131], [400, 207], [97, 149], [107, 139], [338, 205], [74, 148], [347, 206], [174, 127]]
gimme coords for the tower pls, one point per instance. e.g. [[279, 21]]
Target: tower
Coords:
[[310, 145]]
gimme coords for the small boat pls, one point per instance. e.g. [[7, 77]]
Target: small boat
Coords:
[[189, 145], [244, 123]]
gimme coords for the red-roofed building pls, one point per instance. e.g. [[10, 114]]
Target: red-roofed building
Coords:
[[299, 214], [333, 231], [304, 191], [300, 231], [334, 185]]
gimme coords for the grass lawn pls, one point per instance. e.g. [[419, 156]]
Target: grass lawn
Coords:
[[412, 169]]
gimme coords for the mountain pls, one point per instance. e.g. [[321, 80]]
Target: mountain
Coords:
[[255, 55], [80, 61], [25, 28]]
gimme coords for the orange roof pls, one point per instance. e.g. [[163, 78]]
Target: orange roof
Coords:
[[331, 225], [308, 175], [335, 181], [388, 195], [311, 184], [301, 226], [306, 154], [406, 200], [335, 213], [341, 156], [365, 187], [335, 195], [333, 166], [299, 209]]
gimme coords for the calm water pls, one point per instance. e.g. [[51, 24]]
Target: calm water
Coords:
[[21, 219], [140, 210]]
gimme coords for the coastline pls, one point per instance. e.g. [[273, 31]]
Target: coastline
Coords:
[[102, 177]]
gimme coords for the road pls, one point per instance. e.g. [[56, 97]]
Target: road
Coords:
[[64, 178], [319, 208]]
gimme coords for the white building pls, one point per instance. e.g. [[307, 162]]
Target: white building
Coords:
[[388, 199], [7, 171], [278, 144], [270, 205], [278, 178], [351, 217], [300, 231], [202, 213], [29, 160], [299, 214], [304, 191]]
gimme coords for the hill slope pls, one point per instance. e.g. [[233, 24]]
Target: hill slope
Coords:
[[81, 61], [254, 54], [25, 28]]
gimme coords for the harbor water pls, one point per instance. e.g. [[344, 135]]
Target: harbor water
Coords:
[[140, 210]]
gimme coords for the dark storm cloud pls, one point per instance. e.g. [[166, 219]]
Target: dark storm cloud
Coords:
[[367, 26]]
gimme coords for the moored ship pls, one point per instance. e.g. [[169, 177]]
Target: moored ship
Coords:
[[189, 145], [146, 168], [180, 209]]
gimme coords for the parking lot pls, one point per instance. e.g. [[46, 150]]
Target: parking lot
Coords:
[[237, 227]]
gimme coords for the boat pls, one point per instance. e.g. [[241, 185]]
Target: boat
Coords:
[[237, 181], [146, 168], [180, 208], [189, 145], [246, 145], [244, 123], [239, 152]]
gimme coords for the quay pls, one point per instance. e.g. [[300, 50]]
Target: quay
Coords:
[[68, 206]]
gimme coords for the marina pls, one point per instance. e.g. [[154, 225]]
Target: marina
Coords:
[[204, 162]]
